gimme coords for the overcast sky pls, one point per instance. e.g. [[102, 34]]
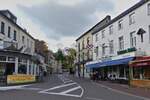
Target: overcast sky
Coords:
[[60, 22]]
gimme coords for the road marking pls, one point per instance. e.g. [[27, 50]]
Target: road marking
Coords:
[[121, 92], [12, 87], [72, 89], [69, 95], [56, 87], [36, 89], [90, 98], [64, 79], [66, 92]]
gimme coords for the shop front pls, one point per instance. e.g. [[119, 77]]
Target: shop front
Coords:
[[115, 70], [16, 68], [140, 72]]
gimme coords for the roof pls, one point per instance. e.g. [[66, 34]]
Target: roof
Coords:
[[9, 13], [1, 13], [95, 27], [137, 5]]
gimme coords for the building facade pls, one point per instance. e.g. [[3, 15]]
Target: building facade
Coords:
[[16, 48], [85, 48], [122, 40], [84, 54]]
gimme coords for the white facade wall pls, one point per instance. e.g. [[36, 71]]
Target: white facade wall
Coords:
[[142, 20], [20, 33]]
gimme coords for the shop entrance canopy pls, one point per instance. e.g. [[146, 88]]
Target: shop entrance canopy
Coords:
[[110, 63]]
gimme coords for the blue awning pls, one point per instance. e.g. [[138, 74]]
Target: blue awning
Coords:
[[110, 63]]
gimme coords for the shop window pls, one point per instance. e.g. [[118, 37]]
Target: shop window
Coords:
[[22, 69], [121, 71], [147, 73], [138, 73], [2, 69], [2, 58]]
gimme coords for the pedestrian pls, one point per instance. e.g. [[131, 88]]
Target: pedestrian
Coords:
[[79, 74], [94, 76]]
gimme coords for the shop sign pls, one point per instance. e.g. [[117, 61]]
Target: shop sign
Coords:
[[139, 64], [127, 55], [18, 79], [126, 51]]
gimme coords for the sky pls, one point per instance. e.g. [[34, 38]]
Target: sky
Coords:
[[61, 22]]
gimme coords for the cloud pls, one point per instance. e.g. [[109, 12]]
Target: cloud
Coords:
[[66, 18]]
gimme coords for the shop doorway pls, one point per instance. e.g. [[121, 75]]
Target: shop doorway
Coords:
[[10, 69]]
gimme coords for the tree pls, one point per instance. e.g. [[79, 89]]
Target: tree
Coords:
[[59, 56], [70, 58]]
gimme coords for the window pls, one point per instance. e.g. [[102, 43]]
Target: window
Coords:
[[111, 46], [83, 44], [122, 71], [88, 40], [121, 43], [103, 49], [9, 30], [103, 34], [28, 43], [120, 25], [111, 30], [96, 51], [83, 56], [132, 39], [148, 9], [23, 39], [31, 44], [15, 35], [132, 18], [2, 27], [96, 37], [79, 47]]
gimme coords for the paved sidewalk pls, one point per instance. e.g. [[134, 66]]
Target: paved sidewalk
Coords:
[[125, 88]]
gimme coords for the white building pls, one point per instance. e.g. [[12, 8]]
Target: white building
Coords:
[[16, 47], [125, 36]]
